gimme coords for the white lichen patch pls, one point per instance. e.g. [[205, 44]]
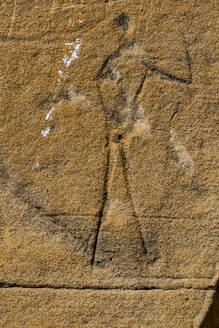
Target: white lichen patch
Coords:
[[185, 159], [73, 49], [72, 54], [45, 132], [49, 113]]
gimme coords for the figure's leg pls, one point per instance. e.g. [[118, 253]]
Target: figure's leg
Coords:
[[128, 179], [103, 205]]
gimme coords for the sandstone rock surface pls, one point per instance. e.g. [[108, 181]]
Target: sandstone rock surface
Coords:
[[108, 163]]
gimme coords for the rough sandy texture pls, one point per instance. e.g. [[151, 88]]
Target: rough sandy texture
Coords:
[[108, 163], [87, 308]]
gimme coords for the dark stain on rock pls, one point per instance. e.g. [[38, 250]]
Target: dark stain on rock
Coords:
[[123, 21], [118, 138]]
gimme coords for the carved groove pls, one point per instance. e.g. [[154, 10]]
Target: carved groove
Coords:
[[100, 74], [5, 285], [170, 76], [138, 91], [130, 193], [101, 212]]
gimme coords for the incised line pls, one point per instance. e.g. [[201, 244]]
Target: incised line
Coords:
[[138, 91], [5, 285], [170, 76], [126, 168]]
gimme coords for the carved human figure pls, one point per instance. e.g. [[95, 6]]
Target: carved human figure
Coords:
[[119, 86]]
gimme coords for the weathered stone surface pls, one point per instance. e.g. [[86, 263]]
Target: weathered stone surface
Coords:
[[101, 308], [108, 161]]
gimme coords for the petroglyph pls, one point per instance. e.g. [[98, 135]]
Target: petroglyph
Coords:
[[127, 119], [108, 139]]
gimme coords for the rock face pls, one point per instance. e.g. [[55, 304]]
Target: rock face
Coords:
[[108, 163]]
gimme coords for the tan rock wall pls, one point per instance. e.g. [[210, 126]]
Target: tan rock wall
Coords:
[[108, 162]]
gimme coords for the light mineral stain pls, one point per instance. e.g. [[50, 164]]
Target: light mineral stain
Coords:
[[45, 132], [49, 113], [74, 52], [184, 158]]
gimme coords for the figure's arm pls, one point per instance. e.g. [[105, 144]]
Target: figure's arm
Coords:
[[171, 76]]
